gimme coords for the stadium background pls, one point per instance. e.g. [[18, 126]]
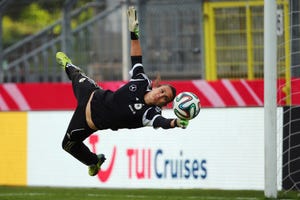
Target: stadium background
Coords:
[[213, 48]]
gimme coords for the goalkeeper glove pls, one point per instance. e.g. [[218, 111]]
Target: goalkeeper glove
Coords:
[[133, 23], [182, 123]]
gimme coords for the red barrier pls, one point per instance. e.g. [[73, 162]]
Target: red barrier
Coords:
[[222, 93]]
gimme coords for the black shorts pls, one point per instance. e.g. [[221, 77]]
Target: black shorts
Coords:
[[83, 86]]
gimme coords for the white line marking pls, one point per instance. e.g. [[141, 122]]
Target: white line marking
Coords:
[[23, 194], [185, 197]]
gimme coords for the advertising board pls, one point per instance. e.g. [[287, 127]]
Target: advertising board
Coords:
[[222, 148]]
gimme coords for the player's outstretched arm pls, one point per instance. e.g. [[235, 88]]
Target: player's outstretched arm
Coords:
[[133, 26], [166, 123], [182, 123]]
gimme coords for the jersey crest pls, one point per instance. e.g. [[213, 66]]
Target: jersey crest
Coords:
[[138, 106]]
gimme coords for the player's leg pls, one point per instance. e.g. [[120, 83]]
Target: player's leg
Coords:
[[78, 129], [77, 132], [62, 59], [82, 85]]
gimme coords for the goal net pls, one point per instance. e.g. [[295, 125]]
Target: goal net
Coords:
[[288, 74]]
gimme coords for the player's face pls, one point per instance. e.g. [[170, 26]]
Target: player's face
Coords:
[[161, 95]]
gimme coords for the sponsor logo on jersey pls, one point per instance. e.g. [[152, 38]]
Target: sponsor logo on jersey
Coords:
[[132, 110], [132, 87]]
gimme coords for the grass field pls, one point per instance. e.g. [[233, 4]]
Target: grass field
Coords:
[[51, 193]]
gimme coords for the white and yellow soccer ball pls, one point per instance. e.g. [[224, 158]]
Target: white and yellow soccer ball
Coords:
[[186, 105]]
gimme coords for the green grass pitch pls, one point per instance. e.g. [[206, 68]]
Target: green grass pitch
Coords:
[[53, 193]]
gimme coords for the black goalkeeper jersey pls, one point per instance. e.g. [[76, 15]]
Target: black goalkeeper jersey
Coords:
[[125, 108]]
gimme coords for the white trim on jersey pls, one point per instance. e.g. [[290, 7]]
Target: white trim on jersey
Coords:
[[149, 82], [147, 122], [134, 66], [143, 74]]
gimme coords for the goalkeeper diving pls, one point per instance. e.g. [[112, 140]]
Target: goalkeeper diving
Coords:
[[134, 105]]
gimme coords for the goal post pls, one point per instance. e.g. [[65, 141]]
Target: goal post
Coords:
[[270, 106]]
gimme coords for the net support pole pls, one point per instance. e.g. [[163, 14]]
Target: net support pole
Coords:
[[270, 107], [125, 43]]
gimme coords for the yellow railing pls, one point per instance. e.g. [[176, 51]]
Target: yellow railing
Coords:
[[287, 88], [234, 40]]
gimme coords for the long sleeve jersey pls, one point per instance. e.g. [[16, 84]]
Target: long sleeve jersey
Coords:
[[125, 108]]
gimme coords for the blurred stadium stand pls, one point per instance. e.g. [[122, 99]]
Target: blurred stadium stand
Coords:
[[173, 41], [171, 45]]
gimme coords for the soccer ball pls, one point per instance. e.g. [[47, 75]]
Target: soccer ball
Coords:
[[186, 105]]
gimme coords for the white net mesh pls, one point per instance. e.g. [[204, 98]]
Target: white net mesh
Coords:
[[288, 95]]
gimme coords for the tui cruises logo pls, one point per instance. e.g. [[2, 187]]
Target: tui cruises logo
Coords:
[[103, 175], [154, 163]]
